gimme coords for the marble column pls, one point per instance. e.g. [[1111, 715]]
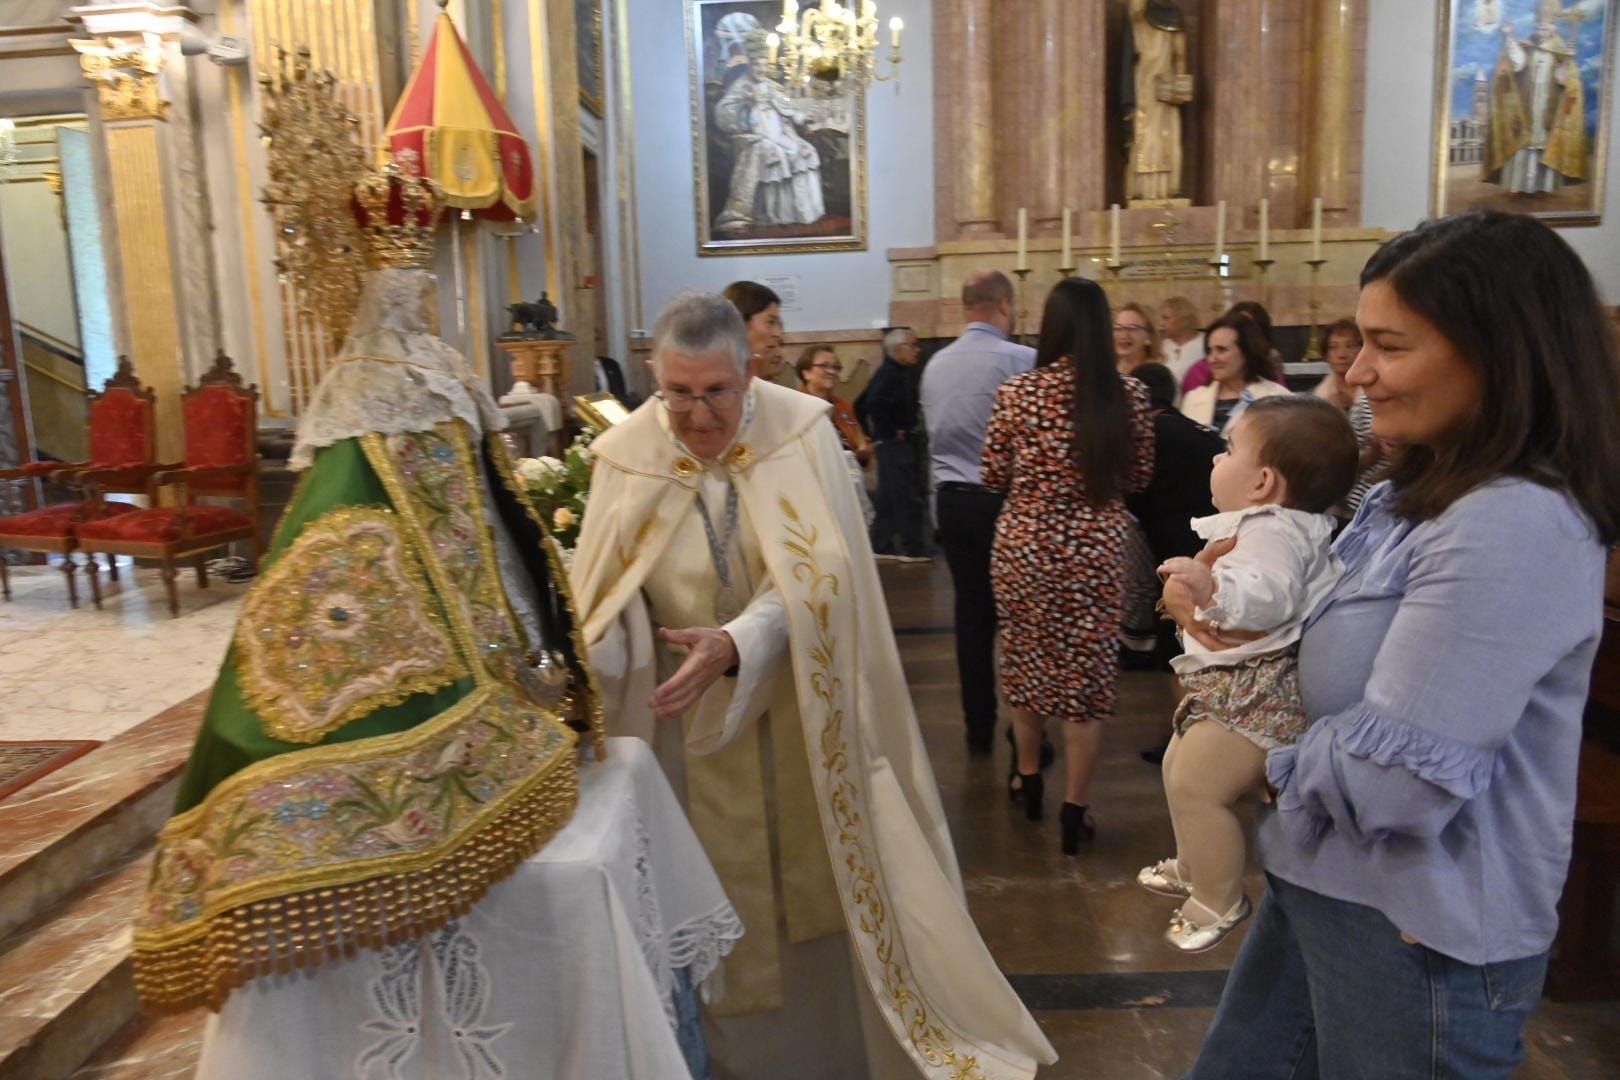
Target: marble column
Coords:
[[1085, 131], [975, 119], [1327, 127], [1048, 147], [1237, 147]]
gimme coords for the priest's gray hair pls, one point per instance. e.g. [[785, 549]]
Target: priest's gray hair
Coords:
[[896, 338], [699, 323]]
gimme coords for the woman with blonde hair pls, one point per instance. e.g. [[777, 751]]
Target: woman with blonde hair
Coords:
[[1136, 339], [1182, 338]]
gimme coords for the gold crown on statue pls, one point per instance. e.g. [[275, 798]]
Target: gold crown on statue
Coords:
[[398, 212]]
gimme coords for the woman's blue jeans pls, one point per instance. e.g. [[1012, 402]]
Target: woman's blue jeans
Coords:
[[1326, 988]]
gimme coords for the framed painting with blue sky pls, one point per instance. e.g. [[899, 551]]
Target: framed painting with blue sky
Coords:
[[1523, 92]]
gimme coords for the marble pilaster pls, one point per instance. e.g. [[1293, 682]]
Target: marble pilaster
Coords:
[[1327, 146], [974, 115], [1237, 148]]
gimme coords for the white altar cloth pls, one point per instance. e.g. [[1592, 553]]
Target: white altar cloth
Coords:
[[564, 971]]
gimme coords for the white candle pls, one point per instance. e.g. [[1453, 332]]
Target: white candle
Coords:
[[1316, 228], [1220, 230], [896, 25], [1265, 229], [1068, 251], [1023, 239], [1113, 234]]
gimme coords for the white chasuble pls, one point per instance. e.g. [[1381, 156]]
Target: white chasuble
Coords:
[[841, 735]]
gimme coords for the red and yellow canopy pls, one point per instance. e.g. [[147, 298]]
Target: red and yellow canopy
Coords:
[[450, 127]]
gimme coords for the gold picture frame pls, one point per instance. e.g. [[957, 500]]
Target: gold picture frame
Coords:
[[823, 136], [588, 48], [1497, 146], [600, 409]]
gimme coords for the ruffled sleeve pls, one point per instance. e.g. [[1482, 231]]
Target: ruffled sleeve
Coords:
[[1501, 590]]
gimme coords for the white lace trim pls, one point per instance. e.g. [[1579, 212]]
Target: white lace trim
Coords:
[[700, 944], [394, 374]]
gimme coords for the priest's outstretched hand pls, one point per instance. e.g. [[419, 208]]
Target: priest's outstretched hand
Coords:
[[710, 653]]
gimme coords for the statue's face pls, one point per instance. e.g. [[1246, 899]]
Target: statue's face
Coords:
[[703, 396]]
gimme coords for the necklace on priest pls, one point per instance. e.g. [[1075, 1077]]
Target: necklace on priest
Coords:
[[727, 604]]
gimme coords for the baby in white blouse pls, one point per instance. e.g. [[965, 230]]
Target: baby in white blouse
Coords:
[[1269, 562]]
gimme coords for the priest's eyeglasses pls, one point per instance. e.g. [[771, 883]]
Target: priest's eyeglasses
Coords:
[[718, 401]]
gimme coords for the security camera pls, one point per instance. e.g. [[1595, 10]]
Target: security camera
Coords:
[[224, 50]]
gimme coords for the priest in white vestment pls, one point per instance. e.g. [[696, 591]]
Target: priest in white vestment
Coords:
[[732, 610]]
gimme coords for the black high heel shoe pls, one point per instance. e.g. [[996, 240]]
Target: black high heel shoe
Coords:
[[1075, 828], [1033, 791]]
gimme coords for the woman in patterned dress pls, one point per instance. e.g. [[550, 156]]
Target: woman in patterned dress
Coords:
[[1067, 440]]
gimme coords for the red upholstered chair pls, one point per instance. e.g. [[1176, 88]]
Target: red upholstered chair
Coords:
[[221, 418], [123, 451]]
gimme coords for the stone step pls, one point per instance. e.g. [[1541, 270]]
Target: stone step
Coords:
[[75, 823], [66, 984], [150, 1048]]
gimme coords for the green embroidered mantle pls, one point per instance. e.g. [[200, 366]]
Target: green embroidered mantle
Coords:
[[380, 746]]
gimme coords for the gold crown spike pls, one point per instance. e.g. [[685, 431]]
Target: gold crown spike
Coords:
[[398, 214]]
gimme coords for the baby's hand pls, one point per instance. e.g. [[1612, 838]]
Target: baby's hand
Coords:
[[1192, 575]]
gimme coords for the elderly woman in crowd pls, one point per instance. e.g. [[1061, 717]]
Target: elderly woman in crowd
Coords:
[[1238, 363], [819, 370], [1182, 340], [1421, 829], [761, 310], [1136, 341], [1066, 441], [1343, 345]]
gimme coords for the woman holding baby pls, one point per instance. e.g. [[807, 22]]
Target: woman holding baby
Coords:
[[1420, 828]]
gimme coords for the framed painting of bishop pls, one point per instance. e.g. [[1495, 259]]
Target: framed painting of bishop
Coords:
[[1523, 92]]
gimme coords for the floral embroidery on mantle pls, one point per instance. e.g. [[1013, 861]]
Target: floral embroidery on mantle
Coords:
[[458, 985]]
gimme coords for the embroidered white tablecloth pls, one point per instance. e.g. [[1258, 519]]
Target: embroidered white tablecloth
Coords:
[[564, 971]]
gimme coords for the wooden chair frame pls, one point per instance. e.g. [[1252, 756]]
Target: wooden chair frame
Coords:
[[136, 480], [234, 481]]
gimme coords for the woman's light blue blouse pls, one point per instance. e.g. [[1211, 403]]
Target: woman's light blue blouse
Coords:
[[1445, 676]]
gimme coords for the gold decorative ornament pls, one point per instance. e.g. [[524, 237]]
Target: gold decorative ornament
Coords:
[[741, 456], [399, 213], [126, 76], [314, 160], [684, 467]]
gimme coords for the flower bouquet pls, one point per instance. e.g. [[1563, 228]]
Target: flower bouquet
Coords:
[[560, 488]]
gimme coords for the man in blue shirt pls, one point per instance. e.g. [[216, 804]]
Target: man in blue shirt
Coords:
[[888, 409], [958, 389]]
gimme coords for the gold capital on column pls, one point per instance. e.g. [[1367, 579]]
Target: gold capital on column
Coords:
[[126, 77]]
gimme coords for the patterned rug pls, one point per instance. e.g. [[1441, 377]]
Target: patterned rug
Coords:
[[21, 763]]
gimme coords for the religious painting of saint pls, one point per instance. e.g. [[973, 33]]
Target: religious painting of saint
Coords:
[[1522, 109], [779, 168]]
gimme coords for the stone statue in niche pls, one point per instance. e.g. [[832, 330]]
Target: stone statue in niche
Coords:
[[1155, 84]]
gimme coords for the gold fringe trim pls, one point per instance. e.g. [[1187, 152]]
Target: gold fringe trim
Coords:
[[302, 929]]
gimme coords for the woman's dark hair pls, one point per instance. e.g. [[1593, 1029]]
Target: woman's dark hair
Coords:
[[1160, 382], [1519, 307], [750, 297], [1342, 326], [1077, 322], [1262, 318], [1251, 342]]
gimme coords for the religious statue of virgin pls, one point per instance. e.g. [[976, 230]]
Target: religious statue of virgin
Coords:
[[1155, 84]]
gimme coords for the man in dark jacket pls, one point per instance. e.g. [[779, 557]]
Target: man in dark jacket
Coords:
[[888, 408]]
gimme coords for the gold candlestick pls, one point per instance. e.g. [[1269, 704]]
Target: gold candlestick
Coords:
[[1066, 272], [1263, 266], [1112, 269], [1023, 305], [1313, 350]]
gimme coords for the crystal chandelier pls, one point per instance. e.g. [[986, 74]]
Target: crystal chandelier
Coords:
[[830, 49]]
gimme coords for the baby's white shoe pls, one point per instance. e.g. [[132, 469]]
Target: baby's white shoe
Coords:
[[1164, 878], [1188, 936]]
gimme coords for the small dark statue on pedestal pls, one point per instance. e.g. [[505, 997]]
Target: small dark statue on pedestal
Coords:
[[535, 321]]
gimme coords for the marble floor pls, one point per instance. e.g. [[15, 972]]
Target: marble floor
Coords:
[[69, 673]]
